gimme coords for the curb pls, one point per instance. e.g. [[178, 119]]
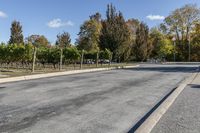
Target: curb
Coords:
[[38, 76], [153, 119]]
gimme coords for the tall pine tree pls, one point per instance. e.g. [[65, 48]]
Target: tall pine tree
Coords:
[[141, 42], [16, 36], [115, 34]]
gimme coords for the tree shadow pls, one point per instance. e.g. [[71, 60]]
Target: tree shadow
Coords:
[[2, 87], [194, 86], [176, 69], [146, 116]]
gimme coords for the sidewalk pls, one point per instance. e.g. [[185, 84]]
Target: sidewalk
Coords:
[[184, 115]]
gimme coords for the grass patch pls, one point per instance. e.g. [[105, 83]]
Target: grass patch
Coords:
[[14, 72]]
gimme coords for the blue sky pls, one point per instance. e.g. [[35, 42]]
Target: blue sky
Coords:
[[50, 17]]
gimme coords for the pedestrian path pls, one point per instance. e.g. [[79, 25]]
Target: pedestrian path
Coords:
[[184, 115]]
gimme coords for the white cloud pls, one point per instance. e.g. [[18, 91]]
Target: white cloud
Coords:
[[155, 17], [57, 23], [3, 15]]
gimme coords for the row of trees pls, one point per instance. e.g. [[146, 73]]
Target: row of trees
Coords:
[[37, 49], [183, 25], [19, 55], [112, 38], [132, 40]]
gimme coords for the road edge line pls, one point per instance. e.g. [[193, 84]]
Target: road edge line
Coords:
[[153, 119]]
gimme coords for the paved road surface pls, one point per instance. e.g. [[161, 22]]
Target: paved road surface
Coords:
[[110, 101], [184, 115]]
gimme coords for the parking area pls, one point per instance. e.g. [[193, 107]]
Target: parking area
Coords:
[[108, 101]]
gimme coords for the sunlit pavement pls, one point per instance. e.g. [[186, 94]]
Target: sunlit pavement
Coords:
[[109, 101]]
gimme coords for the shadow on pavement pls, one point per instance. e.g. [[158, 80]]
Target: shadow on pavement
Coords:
[[139, 123], [2, 87], [166, 69], [194, 86]]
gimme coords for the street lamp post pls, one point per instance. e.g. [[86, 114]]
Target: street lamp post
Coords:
[[174, 41]]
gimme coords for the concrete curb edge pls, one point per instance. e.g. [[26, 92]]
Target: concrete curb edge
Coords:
[[154, 118], [37, 76]]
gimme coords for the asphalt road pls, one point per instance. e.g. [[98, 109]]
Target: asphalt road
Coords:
[[183, 116], [109, 101]]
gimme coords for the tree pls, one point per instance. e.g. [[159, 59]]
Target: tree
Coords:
[[155, 39], [42, 41], [28, 54], [43, 55], [133, 25], [16, 36], [180, 23], [106, 54], [72, 54], [141, 43], [115, 34], [166, 49], [54, 56], [96, 17], [89, 33], [195, 43], [18, 53], [63, 41], [37, 41], [3, 53]]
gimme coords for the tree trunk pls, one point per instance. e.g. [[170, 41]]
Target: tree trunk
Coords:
[[74, 65], [110, 59], [61, 57], [177, 34], [187, 33], [34, 58], [81, 64], [97, 59], [54, 65]]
